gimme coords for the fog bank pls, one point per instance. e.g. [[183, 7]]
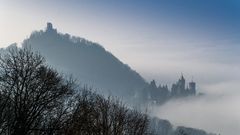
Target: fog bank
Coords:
[[218, 111]]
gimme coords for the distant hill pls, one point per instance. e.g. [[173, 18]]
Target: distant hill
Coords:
[[88, 61], [95, 67]]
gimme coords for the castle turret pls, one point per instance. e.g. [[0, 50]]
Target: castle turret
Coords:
[[192, 87], [50, 28], [181, 84]]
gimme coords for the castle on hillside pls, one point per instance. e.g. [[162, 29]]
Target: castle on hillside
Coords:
[[161, 93], [179, 89]]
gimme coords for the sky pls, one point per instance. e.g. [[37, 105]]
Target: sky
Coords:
[[159, 39]]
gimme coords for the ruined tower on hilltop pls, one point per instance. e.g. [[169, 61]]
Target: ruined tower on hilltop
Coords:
[[50, 28]]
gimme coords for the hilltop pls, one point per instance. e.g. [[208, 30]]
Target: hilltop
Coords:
[[89, 62]]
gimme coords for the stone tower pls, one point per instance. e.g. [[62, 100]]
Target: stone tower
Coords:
[[49, 26], [192, 87], [181, 83]]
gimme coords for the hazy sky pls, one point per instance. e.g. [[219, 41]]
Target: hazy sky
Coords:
[[159, 39]]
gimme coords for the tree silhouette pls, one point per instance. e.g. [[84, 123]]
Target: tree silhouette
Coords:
[[95, 115], [30, 90], [36, 100]]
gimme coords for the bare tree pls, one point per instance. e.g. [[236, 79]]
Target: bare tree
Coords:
[[37, 100], [96, 115], [30, 89]]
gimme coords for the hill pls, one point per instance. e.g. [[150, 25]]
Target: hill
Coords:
[[89, 62]]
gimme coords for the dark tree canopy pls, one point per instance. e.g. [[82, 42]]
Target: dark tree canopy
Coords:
[[29, 89], [95, 115], [36, 100]]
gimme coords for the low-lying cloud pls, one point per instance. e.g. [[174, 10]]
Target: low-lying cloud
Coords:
[[215, 68], [217, 111]]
